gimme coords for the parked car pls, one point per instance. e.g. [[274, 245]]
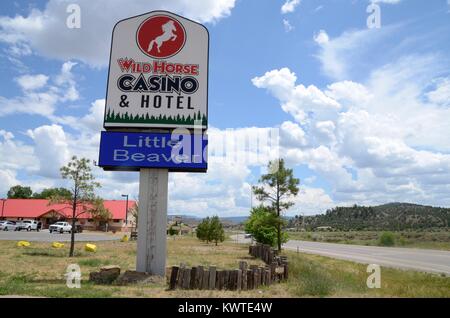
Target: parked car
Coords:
[[60, 227], [78, 228], [8, 225], [29, 225], [247, 235]]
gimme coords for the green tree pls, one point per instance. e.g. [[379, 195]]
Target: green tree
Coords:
[[277, 187], [263, 226], [202, 230], [82, 191], [172, 230], [19, 192], [211, 230], [99, 212], [387, 239], [134, 211], [216, 232], [52, 192]]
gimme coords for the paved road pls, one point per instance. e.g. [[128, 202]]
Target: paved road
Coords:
[[45, 236], [433, 261]]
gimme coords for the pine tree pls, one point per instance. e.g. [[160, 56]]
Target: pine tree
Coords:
[[278, 186], [216, 232]]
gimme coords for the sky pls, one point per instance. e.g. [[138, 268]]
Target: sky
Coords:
[[362, 109]]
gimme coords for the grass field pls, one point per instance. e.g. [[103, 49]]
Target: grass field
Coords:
[[431, 240], [39, 271]]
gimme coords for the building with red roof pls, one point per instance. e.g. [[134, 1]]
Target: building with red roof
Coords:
[[41, 210]]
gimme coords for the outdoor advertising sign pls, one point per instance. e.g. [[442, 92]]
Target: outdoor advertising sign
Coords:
[[158, 73], [130, 151]]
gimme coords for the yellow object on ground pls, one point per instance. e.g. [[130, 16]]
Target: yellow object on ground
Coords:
[[57, 245], [23, 243], [125, 238], [90, 248]]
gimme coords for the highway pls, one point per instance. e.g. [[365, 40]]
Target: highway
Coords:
[[425, 260]]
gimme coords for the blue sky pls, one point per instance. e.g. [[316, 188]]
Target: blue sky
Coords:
[[363, 114]]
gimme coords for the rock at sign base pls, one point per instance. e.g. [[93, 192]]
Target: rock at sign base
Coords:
[[23, 243], [90, 248], [124, 238], [57, 245], [133, 277], [107, 274], [110, 269]]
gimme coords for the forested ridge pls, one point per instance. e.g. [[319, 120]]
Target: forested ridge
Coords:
[[392, 216]]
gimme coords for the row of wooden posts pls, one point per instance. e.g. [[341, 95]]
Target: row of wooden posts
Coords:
[[244, 278], [267, 254]]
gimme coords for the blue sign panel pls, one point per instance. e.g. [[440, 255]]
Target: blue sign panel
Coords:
[[130, 151]]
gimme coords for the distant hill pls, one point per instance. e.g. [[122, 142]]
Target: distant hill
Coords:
[[392, 216], [191, 219], [235, 219]]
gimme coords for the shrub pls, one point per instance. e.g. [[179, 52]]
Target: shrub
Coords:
[[387, 239], [173, 231], [262, 225], [211, 230]]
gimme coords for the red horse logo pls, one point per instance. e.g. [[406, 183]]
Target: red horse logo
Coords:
[[161, 36], [168, 35]]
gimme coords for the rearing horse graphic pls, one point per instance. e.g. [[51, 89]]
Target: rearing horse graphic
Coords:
[[168, 35]]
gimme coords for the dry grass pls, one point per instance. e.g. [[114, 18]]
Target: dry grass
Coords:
[[39, 271], [439, 240]]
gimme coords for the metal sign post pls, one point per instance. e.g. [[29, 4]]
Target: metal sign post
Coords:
[[157, 84]]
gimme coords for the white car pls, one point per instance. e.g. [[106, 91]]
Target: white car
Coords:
[[29, 225], [7, 225], [60, 227]]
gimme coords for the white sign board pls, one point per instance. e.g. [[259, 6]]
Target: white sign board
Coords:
[[158, 73]]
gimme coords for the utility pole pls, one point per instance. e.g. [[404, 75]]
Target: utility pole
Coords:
[[126, 210]]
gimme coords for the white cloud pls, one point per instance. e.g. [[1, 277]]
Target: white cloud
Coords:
[[32, 82], [441, 94], [46, 33], [297, 100], [325, 132], [289, 6], [31, 103], [287, 25], [15, 154], [292, 135], [8, 179], [365, 140], [318, 8], [347, 91], [66, 81], [89, 123], [337, 54], [311, 200], [398, 91], [386, 1], [321, 37], [39, 96], [51, 148], [310, 180]]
